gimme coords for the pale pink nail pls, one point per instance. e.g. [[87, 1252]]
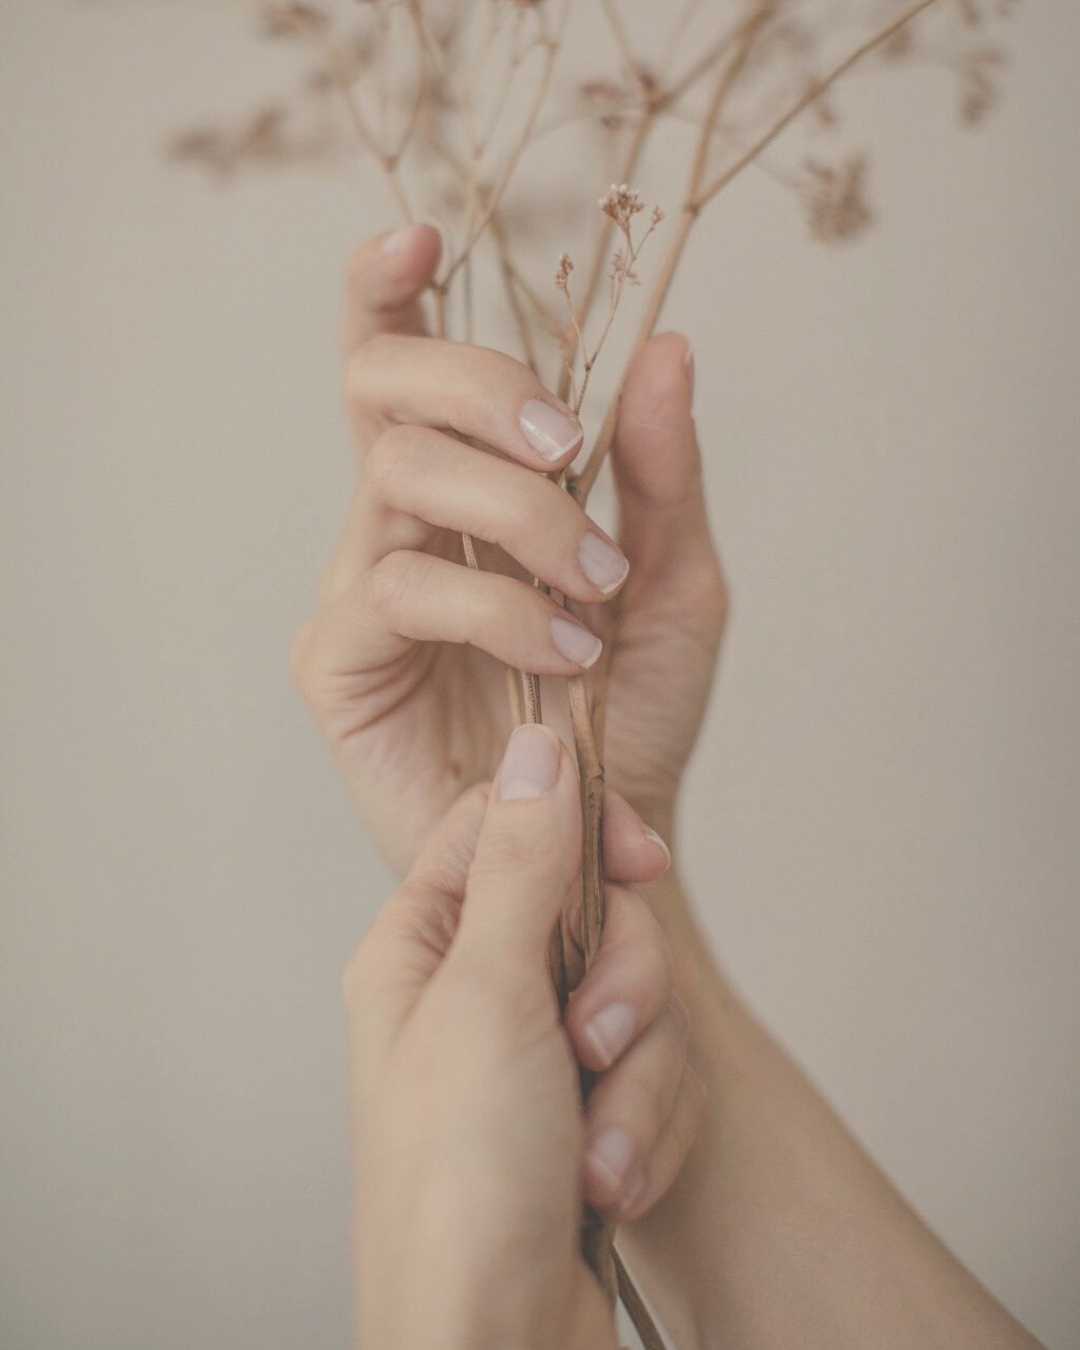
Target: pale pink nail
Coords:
[[688, 362], [393, 242], [577, 644], [656, 839], [611, 1031], [530, 767], [551, 432], [609, 1158], [603, 564]]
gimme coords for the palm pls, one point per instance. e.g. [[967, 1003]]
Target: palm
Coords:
[[448, 714]]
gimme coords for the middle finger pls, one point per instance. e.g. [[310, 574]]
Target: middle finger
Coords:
[[476, 392], [443, 482]]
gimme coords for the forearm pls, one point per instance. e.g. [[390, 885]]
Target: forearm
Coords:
[[780, 1230]]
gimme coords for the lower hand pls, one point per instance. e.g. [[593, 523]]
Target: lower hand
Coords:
[[473, 1151]]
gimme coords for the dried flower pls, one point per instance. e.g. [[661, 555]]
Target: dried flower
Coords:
[[612, 104], [622, 204], [835, 200], [978, 83], [292, 20]]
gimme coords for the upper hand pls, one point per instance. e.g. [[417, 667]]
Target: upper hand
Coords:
[[398, 664]]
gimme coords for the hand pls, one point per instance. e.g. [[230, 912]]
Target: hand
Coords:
[[471, 1147], [398, 666]]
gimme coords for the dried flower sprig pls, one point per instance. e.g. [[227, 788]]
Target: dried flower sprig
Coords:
[[621, 206], [410, 76]]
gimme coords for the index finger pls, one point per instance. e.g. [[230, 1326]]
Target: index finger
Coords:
[[387, 277]]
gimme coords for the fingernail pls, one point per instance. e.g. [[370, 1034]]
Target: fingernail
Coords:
[[634, 1191], [609, 1158], [551, 432], [530, 767], [577, 644], [688, 362], [611, 1031], [393, 242], [602, 563], [656, 839]]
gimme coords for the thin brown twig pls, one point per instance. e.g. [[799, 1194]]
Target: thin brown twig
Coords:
[[814, 92], [635, 1306], [678, 30], [626, 50], [513, 297], [595, 274], [654, 102], [494, 196], [340, 75], [697, 199]]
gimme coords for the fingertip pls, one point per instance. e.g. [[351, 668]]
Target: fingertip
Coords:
[[633, 851], [660, 852], [411, 251], [667, 362], [534, 761], [386, 277], [656, 457]]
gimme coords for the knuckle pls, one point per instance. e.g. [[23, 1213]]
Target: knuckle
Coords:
[[363, 361], [389, 457], [513, 847], [395, 579]]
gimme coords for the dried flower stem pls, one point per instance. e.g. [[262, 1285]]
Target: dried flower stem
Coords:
[[551, 49], [699, 196], [814, 92], [654, 101], [387, 162], [635, 1306]]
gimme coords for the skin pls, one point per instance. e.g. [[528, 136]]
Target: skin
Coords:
[[772, 1227], [459, 1048], [397, 665]]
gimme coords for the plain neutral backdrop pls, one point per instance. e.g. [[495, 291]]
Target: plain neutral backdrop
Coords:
[[881, 823]]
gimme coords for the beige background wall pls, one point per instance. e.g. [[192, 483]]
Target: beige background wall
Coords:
[[882, 819]]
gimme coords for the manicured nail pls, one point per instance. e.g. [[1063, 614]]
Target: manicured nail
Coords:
[[611, 1031], [634, 1190], [602, 563], [551, 432], [609, 1158], [656, 839], [393, 242], [530, 767], [577, 644], [688, 362]]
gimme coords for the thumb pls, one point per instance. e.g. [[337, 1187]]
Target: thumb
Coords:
[[528, 856], [413, 931], [657, 464], [387, 278]]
